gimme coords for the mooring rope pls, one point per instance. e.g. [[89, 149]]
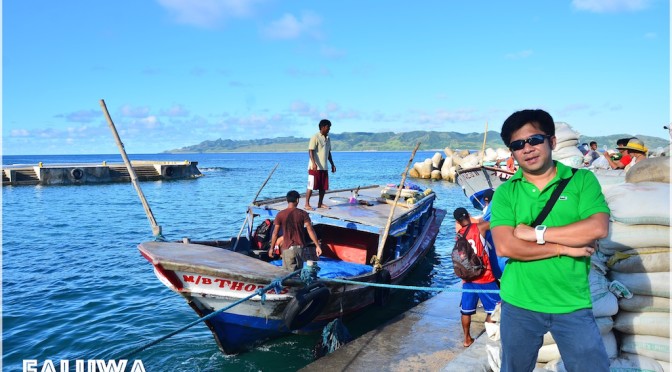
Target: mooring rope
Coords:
[[275, 284], [410, 287], [308, 274]]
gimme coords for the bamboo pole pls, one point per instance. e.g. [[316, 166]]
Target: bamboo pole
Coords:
[[253, 200], [485, 135], [381, 244], [156, 229]]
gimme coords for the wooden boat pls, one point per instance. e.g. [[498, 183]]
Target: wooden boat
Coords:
[[474, 181], [210, 275]]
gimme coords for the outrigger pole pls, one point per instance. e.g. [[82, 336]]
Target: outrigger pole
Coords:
[[381, 244], [156, 229], [247, 215]]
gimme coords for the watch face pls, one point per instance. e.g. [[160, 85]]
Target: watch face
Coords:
[[540, 228]]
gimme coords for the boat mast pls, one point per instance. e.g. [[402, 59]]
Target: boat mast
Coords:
[[156, 229], [381, 244]]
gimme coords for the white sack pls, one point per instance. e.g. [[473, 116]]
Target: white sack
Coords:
[[651, 346], [566, 152], [605, 303], [548, 353], [648, 284], [627, 362], [640, 262], [644, 323], [564, 132], [644, 203], [570, 143], [623, 237], [645, 303], [651, 169], [572, 161]]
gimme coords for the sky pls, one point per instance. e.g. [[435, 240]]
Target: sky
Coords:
[[174, 73]]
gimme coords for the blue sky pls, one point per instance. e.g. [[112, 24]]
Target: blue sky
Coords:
[[175, 72]]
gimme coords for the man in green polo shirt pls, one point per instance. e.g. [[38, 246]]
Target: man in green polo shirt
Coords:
[[545, 284]]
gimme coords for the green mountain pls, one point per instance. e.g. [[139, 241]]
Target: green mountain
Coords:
[[387, 141]]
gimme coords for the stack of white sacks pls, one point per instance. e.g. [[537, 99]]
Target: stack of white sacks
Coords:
[[629, 277], [439, 167], [566, 146]]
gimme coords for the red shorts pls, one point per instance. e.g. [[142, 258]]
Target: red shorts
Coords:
[[318, 180]]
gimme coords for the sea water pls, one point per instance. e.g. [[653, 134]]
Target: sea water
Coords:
[[75, 286]]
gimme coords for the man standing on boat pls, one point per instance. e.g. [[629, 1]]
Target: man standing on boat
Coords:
[[319, 151], [293, 221], [545, 285], [487, 281]]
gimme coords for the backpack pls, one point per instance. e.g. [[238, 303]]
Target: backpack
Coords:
[[262, 235], [466, 263]]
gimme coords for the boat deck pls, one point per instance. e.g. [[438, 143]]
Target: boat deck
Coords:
[[369, 213]]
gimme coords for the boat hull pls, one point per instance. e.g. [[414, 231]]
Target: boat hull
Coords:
[[252, 322]]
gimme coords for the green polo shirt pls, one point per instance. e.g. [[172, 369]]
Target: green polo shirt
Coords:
[[552, 285]]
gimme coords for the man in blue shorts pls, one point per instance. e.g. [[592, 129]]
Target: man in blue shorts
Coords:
[[545, 285], [319, 151], [486, 281]]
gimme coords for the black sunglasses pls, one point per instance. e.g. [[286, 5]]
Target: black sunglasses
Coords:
[[533, 140]]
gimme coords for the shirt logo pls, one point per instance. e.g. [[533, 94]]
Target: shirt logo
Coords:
[[562, 197]]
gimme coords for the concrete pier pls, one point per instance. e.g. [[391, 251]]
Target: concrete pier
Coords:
[[427, 337], [86, 173]]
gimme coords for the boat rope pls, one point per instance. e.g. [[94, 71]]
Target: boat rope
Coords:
[[309, 273], [410, 287], [276, 284]]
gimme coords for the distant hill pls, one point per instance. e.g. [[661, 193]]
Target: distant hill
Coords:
[[387, 141]]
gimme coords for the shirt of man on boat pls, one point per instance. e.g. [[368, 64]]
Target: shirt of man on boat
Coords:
[[293, 221], [319, 152]]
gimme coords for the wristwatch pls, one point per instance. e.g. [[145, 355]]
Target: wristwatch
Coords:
[[540, 230]]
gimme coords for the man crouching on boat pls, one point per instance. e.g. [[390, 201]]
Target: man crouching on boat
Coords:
[[292, 221]]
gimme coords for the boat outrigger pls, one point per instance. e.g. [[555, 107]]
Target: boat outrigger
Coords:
[[210, 275]]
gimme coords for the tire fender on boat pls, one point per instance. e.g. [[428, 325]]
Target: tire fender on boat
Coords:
[[77, 173], [306, 305], [381, 296]]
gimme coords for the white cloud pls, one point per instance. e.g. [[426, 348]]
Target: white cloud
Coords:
[[610, 6], [82, 116], [134, 112], [207, 13], [175, 111], [331, 52], [20, 133], [519, 55], [290, 27]]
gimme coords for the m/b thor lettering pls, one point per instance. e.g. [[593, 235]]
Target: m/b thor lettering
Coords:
[[225, 283], [91, 365]]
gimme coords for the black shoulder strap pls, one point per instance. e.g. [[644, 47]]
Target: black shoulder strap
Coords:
[[464, 235], [551, 202]]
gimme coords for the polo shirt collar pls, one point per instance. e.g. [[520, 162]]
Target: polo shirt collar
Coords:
[[563, 172]]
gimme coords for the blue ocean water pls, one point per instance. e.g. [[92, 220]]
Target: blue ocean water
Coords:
[[75, 286]]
